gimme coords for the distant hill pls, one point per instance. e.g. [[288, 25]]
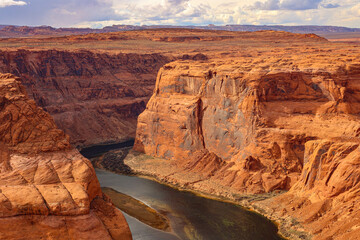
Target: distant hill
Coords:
[[25, 31], [9, 31], [250, 28], [293, 29]]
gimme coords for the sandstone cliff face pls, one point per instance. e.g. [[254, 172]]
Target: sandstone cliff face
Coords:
[[254, 125], [94, 97], [47, 189], [256, 122], [324, 199]]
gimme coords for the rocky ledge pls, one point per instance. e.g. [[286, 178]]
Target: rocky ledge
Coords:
[[47, 189], [252, 125]]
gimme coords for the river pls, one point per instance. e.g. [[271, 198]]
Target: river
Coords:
[[191, 216]]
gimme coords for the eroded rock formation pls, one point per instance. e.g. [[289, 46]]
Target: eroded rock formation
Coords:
[[324, 199], [95, 95], [95, 98], [47, 189], [257, 124]]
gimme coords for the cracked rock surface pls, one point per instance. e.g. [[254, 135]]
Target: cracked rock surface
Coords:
[[47, 189]]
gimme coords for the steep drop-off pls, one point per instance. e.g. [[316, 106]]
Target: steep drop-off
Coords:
[[47, 189], [257, 124], [95, 98], [96, 94]]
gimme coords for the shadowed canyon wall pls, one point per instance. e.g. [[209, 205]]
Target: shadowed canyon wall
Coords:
[[47, 189], [94, 97]]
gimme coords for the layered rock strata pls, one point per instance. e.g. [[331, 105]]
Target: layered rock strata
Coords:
[[47, 189], [94, 97], [254, 125]]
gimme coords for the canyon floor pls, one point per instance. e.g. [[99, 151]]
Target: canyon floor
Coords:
[[230, 113]]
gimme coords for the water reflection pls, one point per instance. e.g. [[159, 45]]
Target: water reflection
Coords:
[[191, 217]]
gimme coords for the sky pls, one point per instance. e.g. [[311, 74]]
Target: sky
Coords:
[[100, 13]]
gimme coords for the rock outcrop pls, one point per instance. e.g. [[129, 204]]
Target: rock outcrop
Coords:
[[95, 98], [324, 199], [272, 121], [47, 189]]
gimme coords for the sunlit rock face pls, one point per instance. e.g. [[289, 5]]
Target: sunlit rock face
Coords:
[[47, 189], [256, 123]]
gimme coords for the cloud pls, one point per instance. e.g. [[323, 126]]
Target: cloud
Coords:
[[67, 12], [164, 12], [288, 5], [7, 3], [330, 5], [300, 5], [194, 12], [100, 13], [268, 5], [58, 13]]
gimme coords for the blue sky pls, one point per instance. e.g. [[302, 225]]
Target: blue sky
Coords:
[[100, 13]]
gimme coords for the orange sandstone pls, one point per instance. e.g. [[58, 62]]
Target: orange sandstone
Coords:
[[283, 120], [47, 189], [96, 85]]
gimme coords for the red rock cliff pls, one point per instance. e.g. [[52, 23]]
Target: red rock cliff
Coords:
[[94, 97], [47, 189], [254, 125]]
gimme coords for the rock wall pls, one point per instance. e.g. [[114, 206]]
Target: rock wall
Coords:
[[94, 97], [47, 189], [324, 199], [243, 126], [256, 123]]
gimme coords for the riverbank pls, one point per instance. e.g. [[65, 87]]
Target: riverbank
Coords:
[[127, 161], [93, 151], [165, 172]]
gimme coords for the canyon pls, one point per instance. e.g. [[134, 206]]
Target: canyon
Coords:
[[242, 116], [82, 90], [47, 189], [95, 85], [275, 121]]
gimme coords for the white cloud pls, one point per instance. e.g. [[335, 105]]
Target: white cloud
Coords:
[[201, 12], [159, 12], [356, 10], [89, 13], [7, 3]]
